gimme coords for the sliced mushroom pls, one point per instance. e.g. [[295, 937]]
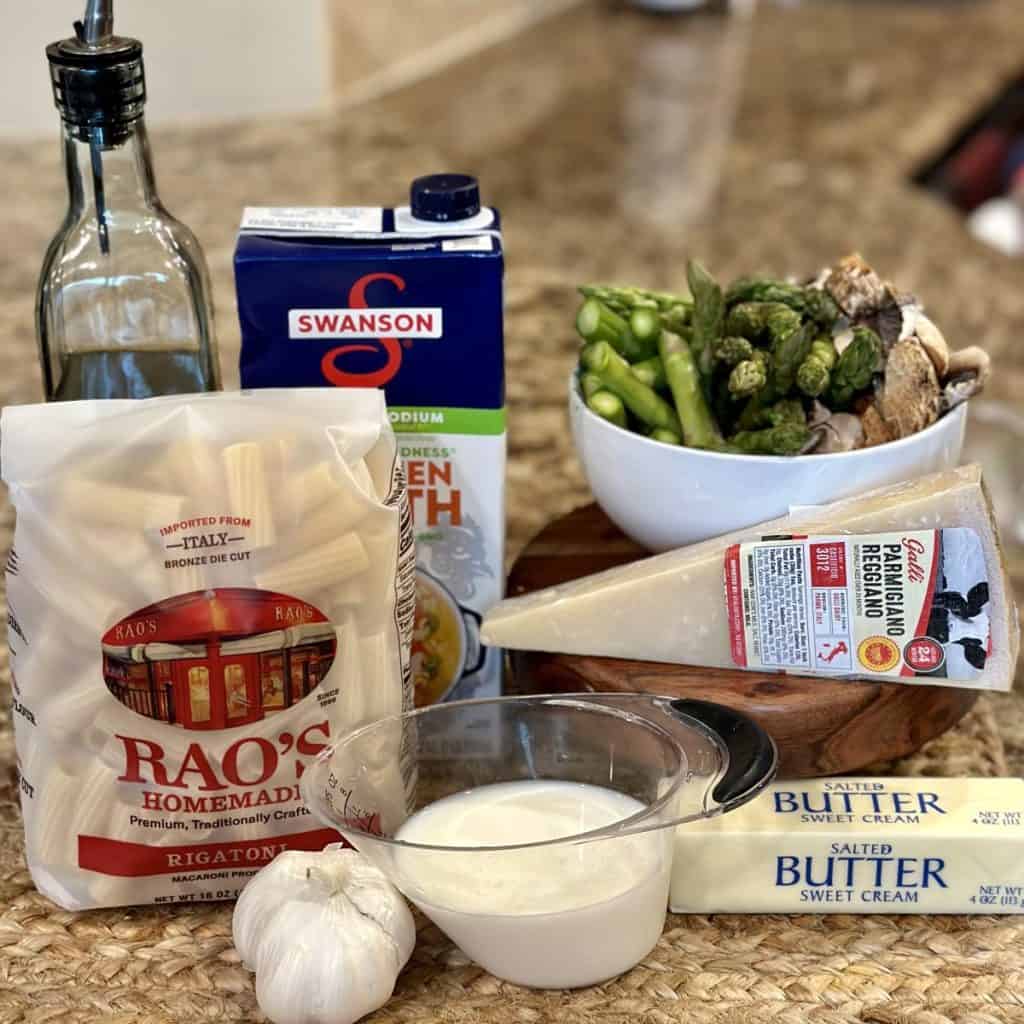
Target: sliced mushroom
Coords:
[[820, 280], [814, 439], [972, 359], [886, 322], [910, 311], [857, 289], [842, 335], [969, 370], [841, 432], [909, 401], [876, 431], [934, 344], [819, 414]]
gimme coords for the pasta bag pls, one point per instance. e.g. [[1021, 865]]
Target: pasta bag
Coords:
[[204, 591]]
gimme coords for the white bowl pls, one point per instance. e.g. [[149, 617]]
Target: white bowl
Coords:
[[663, 496]]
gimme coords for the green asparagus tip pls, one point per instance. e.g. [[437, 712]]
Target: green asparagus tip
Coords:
[[651, 372]]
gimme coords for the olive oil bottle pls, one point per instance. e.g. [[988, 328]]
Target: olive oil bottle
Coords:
[[123, 308]]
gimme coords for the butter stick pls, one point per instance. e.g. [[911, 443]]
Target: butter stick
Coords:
[[859, 846]]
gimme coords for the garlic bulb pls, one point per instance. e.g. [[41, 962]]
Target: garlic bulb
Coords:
[[326, 934]]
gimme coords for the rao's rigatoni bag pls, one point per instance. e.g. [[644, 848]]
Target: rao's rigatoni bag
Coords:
[[202, 590]]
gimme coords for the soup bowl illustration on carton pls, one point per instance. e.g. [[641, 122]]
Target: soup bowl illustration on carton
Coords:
[[445, 641]]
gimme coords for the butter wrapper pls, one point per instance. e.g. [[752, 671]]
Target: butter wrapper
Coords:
[[859, 846]]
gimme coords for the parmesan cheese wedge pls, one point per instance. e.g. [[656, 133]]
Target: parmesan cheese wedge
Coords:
[[673, 608]]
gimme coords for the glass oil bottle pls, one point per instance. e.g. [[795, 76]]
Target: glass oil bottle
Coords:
[[124, 306]]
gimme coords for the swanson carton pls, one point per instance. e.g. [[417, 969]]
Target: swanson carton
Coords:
[[407, 299]]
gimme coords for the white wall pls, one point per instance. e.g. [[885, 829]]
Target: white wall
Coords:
[[215, 59]]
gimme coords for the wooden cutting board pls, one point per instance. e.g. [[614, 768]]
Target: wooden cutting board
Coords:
[[822, 727]]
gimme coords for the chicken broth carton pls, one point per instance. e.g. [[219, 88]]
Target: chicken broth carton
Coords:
[[409, 300]]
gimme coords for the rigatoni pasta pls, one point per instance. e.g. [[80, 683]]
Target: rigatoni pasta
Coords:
[[315, 571], [249, 497], [203, 591]]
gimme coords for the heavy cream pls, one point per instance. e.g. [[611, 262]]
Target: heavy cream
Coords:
[[859, 845], [549, 916]]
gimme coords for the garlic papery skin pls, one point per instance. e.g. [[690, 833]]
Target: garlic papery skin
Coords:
[[326, 934]]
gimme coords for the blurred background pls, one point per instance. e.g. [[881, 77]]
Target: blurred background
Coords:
[[616, 138], [305, 54]]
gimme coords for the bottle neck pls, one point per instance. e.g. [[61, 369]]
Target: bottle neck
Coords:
[[107, 173]]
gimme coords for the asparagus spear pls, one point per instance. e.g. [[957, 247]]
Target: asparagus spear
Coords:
[[708, 316], [747, 378], [623, 298], [699, 429], [821, 307], [750, 319], [855, 367], [781, 322], [677, 318], [758, 413], [815, 372], [616, 376], [786, 410], [814, 303], [651, 372], [589, 384], [645, 325], [596, 322], [790, 347], [608, 296], [762, 289], [666, 436], [824, 349], [608, 406], [785, 439], [732, 350]]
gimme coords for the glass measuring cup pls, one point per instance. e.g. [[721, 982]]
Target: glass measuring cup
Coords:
[[573, 909]]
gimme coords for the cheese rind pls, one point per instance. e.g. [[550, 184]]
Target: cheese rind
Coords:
[[858, 845], [671, 607]]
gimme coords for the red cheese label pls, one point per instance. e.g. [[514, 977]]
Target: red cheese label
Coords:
[[901, 605]]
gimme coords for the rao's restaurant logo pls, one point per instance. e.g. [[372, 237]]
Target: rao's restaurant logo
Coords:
[[388, 328]]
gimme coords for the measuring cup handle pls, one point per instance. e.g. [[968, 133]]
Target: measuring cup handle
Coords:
[[752, 754]]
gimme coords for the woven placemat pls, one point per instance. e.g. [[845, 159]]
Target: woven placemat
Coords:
[[157, 966]]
